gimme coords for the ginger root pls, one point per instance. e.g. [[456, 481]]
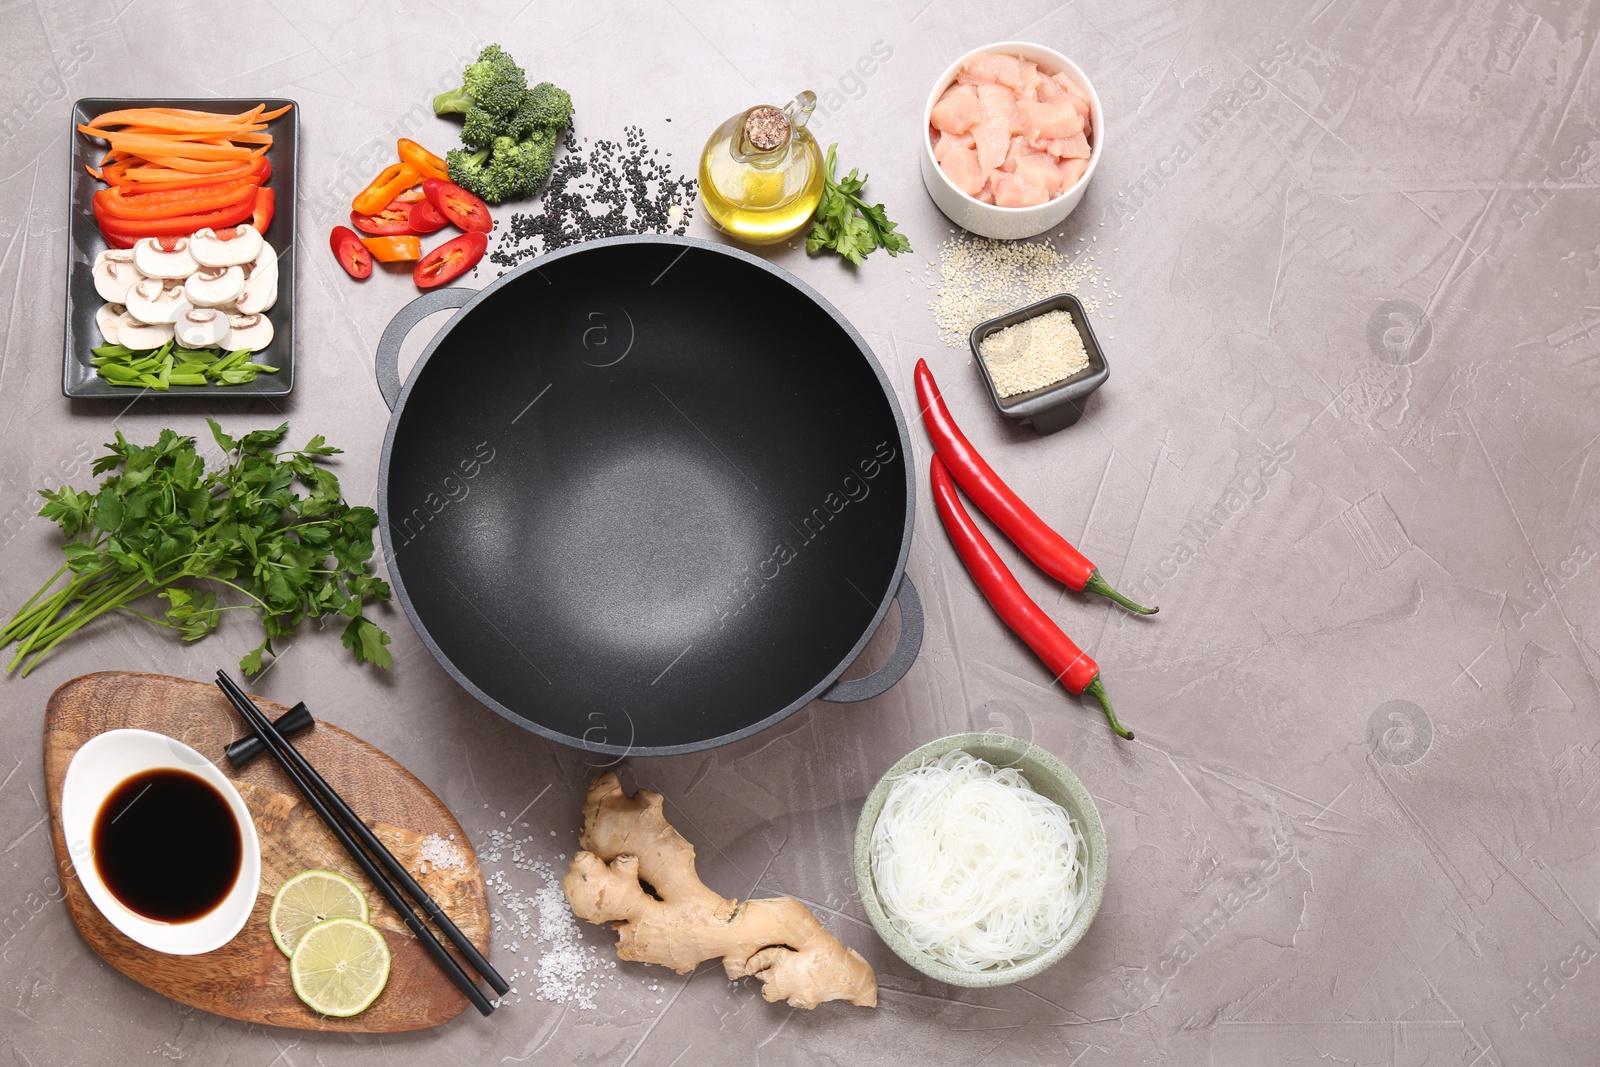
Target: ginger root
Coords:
[[628, 844]]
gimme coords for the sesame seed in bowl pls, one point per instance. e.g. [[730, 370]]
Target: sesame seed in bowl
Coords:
[[1041, 362]]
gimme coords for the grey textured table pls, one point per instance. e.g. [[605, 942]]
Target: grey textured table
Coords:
[[1344, 445]]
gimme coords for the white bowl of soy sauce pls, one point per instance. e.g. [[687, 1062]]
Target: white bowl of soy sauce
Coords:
[[161, 841]]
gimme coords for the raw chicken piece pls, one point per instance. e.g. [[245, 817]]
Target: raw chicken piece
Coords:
[[944, 142], [991, 68], [1023, 187], [960, 165], [1008, 134], [993, 132], [1019, 148], [1048, 122], [1068, 147], [1080, 99], [1018, 78], [1072, 87], [957, 110], [1071, 170], [1035, 167]]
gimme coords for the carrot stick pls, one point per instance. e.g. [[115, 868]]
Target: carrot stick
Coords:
[[154, 146], [176, 118]]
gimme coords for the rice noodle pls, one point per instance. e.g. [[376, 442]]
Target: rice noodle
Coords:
[[972, 866]]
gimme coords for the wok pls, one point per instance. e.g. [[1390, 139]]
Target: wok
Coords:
[[647, 495]]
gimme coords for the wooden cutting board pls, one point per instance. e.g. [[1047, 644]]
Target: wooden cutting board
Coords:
[[248, 978]]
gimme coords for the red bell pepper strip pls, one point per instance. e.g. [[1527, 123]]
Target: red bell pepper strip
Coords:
[[1071, 666], [168, 203], [1053, 553], [261, 212], [122, 233]]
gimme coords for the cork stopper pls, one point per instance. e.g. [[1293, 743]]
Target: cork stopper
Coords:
[[766, 129]]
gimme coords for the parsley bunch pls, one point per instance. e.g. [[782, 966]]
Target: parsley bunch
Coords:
[[849, 225], [162, 519]]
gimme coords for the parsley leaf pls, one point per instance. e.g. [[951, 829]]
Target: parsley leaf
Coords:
[[847, 224], [161, 523]]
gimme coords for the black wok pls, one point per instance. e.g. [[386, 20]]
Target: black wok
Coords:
[[647, 495]]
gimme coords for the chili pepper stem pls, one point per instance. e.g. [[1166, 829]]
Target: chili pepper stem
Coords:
[[1097, 584], [1098, 691]]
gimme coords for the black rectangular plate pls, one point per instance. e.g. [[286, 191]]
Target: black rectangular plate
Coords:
[[84, 243]]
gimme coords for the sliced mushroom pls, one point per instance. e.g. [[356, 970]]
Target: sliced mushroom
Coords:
[[231, 246], [214, 287], [154, 303], [248, 331], [164, 257], [108, 317], [143, 336], [202, 328], [114, 275], [260, 282]]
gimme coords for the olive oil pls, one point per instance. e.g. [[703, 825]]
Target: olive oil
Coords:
[[761, 172]]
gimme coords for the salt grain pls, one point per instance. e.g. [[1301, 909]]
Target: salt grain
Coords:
[[566, 973]]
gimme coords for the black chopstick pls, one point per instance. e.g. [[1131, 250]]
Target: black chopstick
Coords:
[[397, 869], [276, 745]]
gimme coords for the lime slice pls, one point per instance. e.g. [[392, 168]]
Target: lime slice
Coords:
[[340, 966], [307, 899]]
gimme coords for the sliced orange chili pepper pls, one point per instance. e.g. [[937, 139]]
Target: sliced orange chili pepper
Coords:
[[395, 178], [405, 249], [423, 161]]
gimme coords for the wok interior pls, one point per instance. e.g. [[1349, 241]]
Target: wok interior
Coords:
[[645, 502]]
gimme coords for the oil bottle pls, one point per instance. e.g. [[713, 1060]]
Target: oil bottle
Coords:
[[761, 172]]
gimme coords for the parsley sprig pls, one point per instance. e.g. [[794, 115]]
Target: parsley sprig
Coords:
[[164, 524], [847, 224]]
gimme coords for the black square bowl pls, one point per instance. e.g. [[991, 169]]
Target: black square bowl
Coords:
[[1059, 404], [84, 243]]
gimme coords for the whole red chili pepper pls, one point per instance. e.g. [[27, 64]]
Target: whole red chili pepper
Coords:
[[1071, 665], [1053, 553]]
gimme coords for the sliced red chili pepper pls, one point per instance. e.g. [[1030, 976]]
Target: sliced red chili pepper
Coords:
[[450, 260], [1071, 665], [392, 220], [411, 195], [350, 252], [130, 230], [458, 205], [401, 248], [425, 218], [1053, 553], [261, 213]]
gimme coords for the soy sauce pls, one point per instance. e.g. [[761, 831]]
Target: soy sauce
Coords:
[[167, 845]]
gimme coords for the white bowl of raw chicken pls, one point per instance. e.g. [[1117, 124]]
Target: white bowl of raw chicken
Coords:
[[1062, 189]]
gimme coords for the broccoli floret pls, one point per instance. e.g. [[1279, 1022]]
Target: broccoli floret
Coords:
[[494, 83], [510, 130], [507, 170], [546, 107]]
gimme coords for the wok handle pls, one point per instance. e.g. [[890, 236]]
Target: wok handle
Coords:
[[883, 679], [405, 320]]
